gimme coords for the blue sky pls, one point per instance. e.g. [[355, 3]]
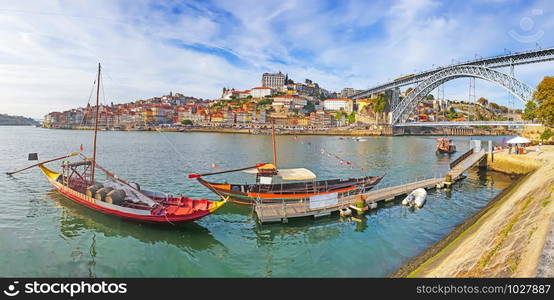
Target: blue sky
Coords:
[[49, 49]]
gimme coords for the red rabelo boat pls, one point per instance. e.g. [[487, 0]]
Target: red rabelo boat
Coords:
[[278, 185], [117, 197]]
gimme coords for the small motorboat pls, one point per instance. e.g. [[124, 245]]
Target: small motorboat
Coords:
[[415, 198], [445, 145]]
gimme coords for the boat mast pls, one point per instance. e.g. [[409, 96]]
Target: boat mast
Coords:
[[95, 124], [273, 140]]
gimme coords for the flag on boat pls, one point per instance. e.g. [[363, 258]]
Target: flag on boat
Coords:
[[81, 148]]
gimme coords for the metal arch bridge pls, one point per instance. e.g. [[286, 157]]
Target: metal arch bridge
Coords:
[[401, 111], [501, 61], [481, 68]]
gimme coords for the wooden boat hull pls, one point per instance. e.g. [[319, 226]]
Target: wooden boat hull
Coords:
[[446, 151], [127, 213], [248, 194]]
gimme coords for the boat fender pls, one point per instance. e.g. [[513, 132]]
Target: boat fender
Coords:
[[101, 193], [344, 212], [115, 197]]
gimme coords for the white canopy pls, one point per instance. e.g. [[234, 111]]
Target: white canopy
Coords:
[[290, 174], [518, 140]]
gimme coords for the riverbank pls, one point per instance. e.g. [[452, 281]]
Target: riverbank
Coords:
[[370, 130], [329, 131], [510, 230]]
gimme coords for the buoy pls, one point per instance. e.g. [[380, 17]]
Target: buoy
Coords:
[[344, 212]]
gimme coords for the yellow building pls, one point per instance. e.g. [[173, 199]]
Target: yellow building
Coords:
[[363, 103], [147, 115], [292, 92], [303, 121]]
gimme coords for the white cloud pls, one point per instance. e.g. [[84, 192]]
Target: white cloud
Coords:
[[49, 50]]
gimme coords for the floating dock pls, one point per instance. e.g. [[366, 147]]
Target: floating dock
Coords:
[[281, 212]]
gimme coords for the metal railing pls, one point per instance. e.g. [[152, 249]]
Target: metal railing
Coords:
[[458, 160], [467, 123], [405, 181], [402, 185]]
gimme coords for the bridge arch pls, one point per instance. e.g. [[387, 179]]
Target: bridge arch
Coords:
[[517, 88]]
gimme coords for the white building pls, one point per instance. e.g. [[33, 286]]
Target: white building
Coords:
[[338, 104], [260, 92], [228, 93], [275, 81]]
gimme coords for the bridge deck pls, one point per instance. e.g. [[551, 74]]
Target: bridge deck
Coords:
[[466, 123], [501, 61], [277, 212]]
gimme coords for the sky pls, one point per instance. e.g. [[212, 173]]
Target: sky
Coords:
[[49, 50]]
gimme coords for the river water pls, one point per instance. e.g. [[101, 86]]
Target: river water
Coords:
[[44, 234]]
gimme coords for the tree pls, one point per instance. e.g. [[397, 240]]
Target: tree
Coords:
[[483, 101], [351, 118], [186, 122], [430, 97], [546, 134], [545, 89], [504, 109], [264, 102], [530, 112], [544, 95], [309, 107], [494, 106], [379, 105]]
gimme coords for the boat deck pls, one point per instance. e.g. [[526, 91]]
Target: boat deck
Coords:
[[281, 212]]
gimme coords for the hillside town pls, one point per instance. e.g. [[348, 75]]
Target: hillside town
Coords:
[[278, 99]]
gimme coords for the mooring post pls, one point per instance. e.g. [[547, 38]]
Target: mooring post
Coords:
[[490, 151]]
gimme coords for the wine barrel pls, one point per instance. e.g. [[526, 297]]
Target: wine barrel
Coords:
[[101, 193], [91, 190], [115, 197]]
